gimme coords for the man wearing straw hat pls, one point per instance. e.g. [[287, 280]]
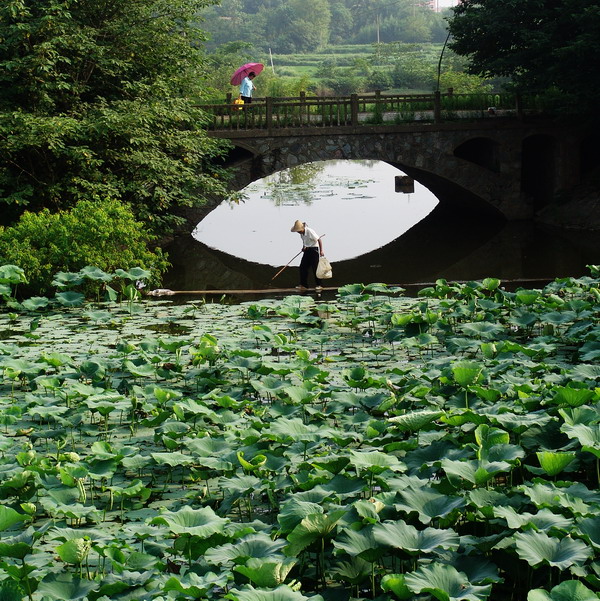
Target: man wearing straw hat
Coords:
[[312, 249]]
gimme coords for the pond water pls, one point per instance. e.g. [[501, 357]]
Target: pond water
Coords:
[[352, 204], [371, 234]]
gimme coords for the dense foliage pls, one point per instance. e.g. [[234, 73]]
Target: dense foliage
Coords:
[[101, 233], [367, 446], [97, 101], [541, 45], [290, 26]]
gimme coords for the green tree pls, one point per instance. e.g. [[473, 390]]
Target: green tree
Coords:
[[540, 44], [297, 26], [97, 100], [104, 234], [341, 23]]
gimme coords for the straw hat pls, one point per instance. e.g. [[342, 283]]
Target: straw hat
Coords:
[[298, 226]]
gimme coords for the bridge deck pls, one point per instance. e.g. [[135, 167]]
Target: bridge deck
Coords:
[[354, 110]]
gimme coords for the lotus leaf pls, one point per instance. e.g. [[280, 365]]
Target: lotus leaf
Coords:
[[16, 546], [544, 520], [445, 583], [95, 273], [415, 420], [294, 511], [579, 415], [12, 274], [590, 528], [527, 297], [281, 593], [11, 591], [70, 299], [572, 396], [114, 584], [353, 572], [375, 462], [537, 548], [554, 462], [361, 543], [266, 572], [427, 503], [396, 583], [135, 273], [65, 586], [9, 517], [478, 569], [253, 545], [35, 303], [193, 522], [590, 351], [483, 329], [192, 585], [586, 371], [519, 423], [295, 429], [588, 436], [467, 373], [569, 590], [310, 529], [477, 472], [401, 535], [487, 436]]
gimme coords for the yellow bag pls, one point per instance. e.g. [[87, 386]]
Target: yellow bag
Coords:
[[237, 104]]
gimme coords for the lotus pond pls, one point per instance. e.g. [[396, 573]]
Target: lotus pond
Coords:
[[372, 446]]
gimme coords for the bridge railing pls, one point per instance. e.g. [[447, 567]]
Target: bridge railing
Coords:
[[358, 109]]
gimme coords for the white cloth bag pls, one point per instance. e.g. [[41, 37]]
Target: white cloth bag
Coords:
[[324, 270]]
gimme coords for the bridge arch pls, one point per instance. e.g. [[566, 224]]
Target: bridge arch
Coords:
[[460, 180], [511, 167]]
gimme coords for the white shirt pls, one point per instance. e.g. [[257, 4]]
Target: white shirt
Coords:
[[309, 237]]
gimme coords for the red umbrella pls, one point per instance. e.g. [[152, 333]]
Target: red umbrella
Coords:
[[236, 78]]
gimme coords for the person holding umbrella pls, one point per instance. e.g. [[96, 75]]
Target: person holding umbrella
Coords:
[[243, 77], [247, 87]]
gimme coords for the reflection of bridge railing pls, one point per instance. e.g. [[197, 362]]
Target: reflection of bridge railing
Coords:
[[361, 109]]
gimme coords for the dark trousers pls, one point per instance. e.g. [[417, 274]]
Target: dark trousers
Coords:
[[246, 99], [308, 264]]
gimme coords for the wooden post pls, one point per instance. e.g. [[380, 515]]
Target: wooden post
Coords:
[[519, 106], [303, 108], [269, 112], [228, 98], [354, 109], [437, 107]]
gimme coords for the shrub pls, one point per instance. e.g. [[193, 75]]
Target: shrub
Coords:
[[379, 80], [103, 233]]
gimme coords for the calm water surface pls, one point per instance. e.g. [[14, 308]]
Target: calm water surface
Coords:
[[372, 234], [352, 203]]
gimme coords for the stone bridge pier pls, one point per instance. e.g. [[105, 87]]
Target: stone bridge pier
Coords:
[[511, 167]]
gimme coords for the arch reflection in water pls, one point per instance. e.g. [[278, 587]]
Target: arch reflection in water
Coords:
[[353, 202]]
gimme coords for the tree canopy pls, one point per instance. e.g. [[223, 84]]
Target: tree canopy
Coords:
[[542, 45], [297, 26], [97, 101]]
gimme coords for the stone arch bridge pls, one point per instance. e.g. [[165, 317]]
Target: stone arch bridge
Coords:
[[513, 167]]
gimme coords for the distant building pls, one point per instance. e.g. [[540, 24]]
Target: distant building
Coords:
[[438, 5]]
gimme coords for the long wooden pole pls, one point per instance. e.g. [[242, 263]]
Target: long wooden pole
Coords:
[[288, 263]]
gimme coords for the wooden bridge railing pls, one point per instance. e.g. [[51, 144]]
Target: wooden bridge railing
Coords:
[[358, 109]]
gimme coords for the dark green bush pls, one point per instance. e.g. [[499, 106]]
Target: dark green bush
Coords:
[[103, 233]]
